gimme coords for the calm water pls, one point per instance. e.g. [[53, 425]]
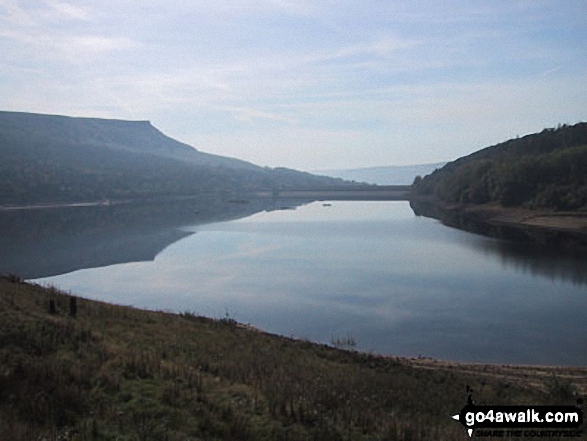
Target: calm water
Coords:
[[396, 283]]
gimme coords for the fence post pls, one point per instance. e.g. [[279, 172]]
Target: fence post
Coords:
[[73, 306]]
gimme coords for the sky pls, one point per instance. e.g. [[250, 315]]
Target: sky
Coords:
[[308, 84]]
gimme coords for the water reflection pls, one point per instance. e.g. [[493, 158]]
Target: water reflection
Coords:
[[49, 242], [398, 283], [544, 254], [551, 265]]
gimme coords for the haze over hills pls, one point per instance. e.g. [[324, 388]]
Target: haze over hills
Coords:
[[384, 175], [50, 158], [546, 169]]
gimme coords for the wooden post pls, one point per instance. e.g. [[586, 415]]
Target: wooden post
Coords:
[[72, 306], [52, 309]]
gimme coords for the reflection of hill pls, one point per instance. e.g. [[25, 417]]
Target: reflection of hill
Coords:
[[62, 254], [44, 243], [549, 265], [542, 253]]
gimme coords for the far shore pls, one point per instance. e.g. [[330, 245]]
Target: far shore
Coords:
[[50, 205], [540, 224], [538, 218], [382, 193]]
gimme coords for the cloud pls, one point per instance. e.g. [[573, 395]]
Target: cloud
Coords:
[[90, 45], [248, 115], [302, 83], [36, 33], [384, 47], [239, 8], [41, 13], [290, 6], [11, 14], [68, 10]]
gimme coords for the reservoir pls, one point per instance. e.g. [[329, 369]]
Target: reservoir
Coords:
[[370, 273]]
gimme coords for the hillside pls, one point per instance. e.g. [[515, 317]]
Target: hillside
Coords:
[[50, 158], [384, 175], [542, 170], [112, 372]]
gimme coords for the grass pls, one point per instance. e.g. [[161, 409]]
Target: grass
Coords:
[[119, 373]]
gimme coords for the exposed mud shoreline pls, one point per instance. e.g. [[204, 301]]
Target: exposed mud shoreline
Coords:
[[546, 229], [519, 375], [530, 376]]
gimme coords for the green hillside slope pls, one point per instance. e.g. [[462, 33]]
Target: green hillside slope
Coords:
[[546, 169]]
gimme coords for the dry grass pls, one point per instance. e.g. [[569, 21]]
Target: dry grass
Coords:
[[118, 373]]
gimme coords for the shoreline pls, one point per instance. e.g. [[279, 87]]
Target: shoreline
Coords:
[[94, 368], [525, 375], [54, 205], [384, 193], [546, 229], [486, 369], [422, 361], [523, 217]]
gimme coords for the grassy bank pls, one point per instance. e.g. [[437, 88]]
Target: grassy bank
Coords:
[[119, 373]]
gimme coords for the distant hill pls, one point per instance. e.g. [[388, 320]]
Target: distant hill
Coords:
[[50, 158], [130, 136], [546, 169], [384, 175]]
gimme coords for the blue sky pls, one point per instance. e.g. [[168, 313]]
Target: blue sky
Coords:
[[308, 84]]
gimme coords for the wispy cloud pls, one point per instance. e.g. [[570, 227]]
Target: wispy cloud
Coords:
[[35, 15], [248, 115], [235, 8], [11, 14], [290, 6], [90, 45], [38, 31], [68, 10], [303, 83]]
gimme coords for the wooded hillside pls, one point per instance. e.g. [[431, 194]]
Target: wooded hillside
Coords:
[[546, 169]]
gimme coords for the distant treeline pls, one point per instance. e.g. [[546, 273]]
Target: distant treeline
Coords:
[[546, 169], [50, 174]]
